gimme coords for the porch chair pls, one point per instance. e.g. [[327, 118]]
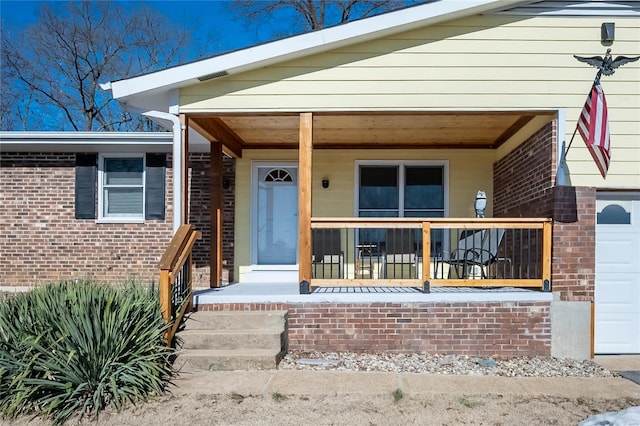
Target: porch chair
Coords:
[[473, 258], [469, 240], [400, 257], [327, 255]]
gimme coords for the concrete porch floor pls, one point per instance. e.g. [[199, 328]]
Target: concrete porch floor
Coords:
[[270, 292]]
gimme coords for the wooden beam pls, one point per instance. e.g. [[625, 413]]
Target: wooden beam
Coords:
[[214, 128], [426, 251], [215, 248], [512, 130], [305, 162], [547, 242], [184, 119]]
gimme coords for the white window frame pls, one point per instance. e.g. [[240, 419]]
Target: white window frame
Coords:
[[401, 177], [129, 218], [401, 181]]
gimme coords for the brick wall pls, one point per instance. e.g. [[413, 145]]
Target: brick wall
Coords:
[[41, 241], [523, 179], [524, 187], [574, 243], [200, 215], [506, 329]]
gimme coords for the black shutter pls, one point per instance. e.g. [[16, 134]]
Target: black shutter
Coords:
[[154, 186], [86, 181]]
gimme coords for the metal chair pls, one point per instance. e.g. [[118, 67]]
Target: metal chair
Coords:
[[474, 258]]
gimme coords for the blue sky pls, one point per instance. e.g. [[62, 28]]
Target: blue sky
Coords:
[[230, 34]]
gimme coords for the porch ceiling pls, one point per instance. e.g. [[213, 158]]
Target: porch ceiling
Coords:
[[365, 130]]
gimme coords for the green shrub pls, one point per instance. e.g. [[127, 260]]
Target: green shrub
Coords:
[[76, 348]]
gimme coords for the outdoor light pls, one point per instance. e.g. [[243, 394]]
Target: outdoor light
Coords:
[[480, 204], [325, 183], [226, 184], [608, 32]]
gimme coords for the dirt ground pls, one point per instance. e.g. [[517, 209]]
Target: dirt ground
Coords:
[[190, 404]]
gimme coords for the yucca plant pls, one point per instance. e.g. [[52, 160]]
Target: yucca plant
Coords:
[[76, 348]]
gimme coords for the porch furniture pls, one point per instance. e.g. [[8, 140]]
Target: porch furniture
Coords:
[[400, 257], [365, 260], [473, 259], [468, 242], [328, 256]]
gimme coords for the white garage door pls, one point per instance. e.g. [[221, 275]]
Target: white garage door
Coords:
[[617, 293]]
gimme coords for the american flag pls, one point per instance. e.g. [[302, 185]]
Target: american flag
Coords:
[[593, 126]]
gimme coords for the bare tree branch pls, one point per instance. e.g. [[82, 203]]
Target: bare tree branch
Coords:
[[55, 66], [310, 15]]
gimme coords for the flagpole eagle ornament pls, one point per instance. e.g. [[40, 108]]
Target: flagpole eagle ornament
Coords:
[[593, 123], [607, 65]]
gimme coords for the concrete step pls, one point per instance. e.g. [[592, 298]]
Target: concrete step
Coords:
[[271, 338], [235, 320], [226, 360]]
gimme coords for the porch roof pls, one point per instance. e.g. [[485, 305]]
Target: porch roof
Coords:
[[368, 129]]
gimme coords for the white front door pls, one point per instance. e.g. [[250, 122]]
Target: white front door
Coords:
[[617, 292], [275, 236]]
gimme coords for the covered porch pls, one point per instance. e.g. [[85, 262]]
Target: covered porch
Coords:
[[416, 249]]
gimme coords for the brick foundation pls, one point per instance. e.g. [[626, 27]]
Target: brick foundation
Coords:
[[485, 329]]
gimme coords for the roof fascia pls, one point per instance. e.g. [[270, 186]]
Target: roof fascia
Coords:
[[85, 142], [121, 138], [302, 45]]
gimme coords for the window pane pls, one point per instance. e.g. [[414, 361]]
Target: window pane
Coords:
[[123, 171], [378, 187], [424, 188], [123, 201], [614, 214]]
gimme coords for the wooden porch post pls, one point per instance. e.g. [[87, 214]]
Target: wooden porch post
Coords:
[[304, 201], [216, 215], [185, 167]]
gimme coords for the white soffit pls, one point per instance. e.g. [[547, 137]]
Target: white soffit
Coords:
[[129, 91]]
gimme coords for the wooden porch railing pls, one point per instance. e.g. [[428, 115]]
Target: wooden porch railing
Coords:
[[414, 252], [176, 272]]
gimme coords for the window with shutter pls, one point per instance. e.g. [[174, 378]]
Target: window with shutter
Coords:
[[121, 187], [85, 192]]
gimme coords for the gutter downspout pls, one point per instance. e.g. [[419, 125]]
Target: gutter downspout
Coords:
[[177, 163]]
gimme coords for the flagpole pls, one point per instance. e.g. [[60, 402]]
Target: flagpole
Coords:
[[563, 178], [595, 81]]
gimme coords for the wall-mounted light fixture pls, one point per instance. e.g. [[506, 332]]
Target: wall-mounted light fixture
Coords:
[[608, 32], [226, 184], [325, 183]]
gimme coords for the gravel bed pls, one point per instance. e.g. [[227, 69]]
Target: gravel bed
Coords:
[[443, 364]]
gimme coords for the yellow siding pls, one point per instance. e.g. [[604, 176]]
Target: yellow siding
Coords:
[[469, 171], [477, 63]]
